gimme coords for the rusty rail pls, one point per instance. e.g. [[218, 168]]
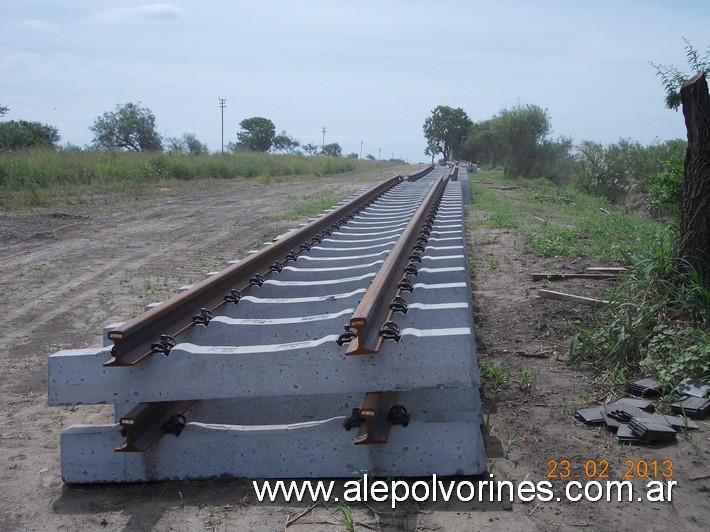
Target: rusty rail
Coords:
[[154, 330], [374, 411], [375, 417], [454, 173], [374, 309], [146, 423]]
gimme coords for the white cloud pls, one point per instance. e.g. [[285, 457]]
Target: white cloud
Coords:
[[139, 14]]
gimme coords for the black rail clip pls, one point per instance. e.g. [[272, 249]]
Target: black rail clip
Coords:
[[175, 424], [398, 415], [233, 297], [257, 280], [415, 257], [390, 331], [354, 420], [406, 285], [399, 305], [164, 345], [411, 269], [346, 337], [203, 318]]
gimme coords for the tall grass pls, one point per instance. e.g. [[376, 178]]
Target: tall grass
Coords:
[[658, 318], [26, 177], [657, 321]]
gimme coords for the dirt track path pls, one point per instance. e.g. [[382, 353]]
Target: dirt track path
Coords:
[[66, 274]]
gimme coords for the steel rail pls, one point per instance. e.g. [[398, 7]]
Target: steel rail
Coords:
[[374, 411], [374, 308], [145, 424], [154, 330]]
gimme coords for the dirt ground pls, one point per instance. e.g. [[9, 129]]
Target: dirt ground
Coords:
[[67, 272]]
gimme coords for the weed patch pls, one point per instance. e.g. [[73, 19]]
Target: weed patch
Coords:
[[656, 322]]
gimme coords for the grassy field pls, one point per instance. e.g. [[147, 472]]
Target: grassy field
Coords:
[[656, 321], [37, 178], [562, 221]]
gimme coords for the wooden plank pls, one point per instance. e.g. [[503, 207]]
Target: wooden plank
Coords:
[[617, 269], [563, 276], [560, 296]]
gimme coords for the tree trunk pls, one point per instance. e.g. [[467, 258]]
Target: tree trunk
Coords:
[[695, 214]]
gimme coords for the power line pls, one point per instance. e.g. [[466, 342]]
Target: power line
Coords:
[[39, 106]]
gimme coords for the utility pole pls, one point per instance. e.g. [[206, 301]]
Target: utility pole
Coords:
[[222, 105], [360, 149], [379, 153], [323, 146]]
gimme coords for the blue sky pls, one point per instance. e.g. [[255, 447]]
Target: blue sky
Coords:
[[368, 71]]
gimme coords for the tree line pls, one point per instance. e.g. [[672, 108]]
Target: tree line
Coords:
[[673, 176], [518, 139], [132, 127]]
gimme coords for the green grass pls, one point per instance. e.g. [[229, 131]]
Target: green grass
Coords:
[[499, 212], [36, 178], [496, 376], [296, 207], [656, 323], [562, 221]]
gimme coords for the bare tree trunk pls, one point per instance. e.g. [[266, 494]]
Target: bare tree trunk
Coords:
[[695, 214]]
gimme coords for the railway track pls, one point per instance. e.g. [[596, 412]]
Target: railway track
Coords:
[[360, 319]]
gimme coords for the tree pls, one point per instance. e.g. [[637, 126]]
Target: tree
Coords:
[[673, 79], [284, 142], [665, 188], [445, 130], [554, 160], [606, 170], [187, 144], [333, 150], [311, 149], [3, 110], [130, 127], [692, 94], [522, 129], [257, 134], [430, 151], [483, 144], [20, 135], [615, 169], [370, 157]]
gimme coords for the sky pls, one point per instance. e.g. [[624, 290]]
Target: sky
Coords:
[[369, 72]]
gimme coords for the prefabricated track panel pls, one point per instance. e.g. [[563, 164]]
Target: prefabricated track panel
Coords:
[[273, 387]]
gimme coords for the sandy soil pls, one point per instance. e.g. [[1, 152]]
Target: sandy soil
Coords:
[[67, 272]]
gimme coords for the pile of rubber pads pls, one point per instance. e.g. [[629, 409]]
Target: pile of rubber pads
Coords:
[[635, 420]]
